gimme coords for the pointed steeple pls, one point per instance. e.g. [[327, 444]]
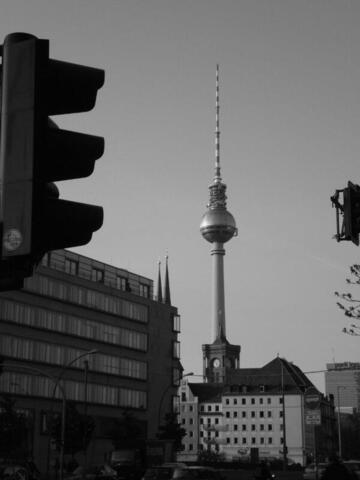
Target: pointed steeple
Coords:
[[167, 284], [159, 297]]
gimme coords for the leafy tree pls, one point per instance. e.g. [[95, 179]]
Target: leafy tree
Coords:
[[126, 432], [78, 430], [14, 428], [351, 305], [171, 430]]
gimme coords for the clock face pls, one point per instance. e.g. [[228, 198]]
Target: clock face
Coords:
[[216, 363]]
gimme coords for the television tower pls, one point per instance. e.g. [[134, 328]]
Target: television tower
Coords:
[[218, 227]]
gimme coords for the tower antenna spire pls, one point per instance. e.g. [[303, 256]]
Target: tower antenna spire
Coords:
[[217, 177]]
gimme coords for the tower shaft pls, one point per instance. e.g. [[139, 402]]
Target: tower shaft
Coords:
[[218, 292]]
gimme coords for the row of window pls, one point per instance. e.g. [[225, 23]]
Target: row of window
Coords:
[[251, 400], [26, 349], [39, 386], [71, 267], [244, 428], [244, 441], [58, 321], [244, 414], [88, 298]]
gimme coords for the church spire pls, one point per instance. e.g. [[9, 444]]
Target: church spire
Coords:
[[167, 299], [159, 287]]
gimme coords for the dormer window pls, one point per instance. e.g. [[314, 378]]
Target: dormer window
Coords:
[[262, 388]]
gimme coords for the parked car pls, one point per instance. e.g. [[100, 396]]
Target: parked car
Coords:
[[169, 471], [310, 471], [206, 473], [354, 467], [93, 472]]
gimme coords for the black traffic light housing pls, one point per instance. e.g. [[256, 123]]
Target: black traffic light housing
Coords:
[[350, 210], [34, 152]]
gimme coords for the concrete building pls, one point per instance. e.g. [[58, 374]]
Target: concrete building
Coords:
[[100, 330], [246, 414], [255, 415], [342, 380]]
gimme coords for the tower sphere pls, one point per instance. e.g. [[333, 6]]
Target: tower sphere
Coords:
[[218, 225]]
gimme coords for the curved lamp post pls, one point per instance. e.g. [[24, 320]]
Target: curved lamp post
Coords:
[[63, 410]]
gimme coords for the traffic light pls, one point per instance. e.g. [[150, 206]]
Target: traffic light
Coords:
[[34, 153], [352, 213]]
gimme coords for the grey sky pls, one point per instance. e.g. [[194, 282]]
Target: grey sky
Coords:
[[290, 122]]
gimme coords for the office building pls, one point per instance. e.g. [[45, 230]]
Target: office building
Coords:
[[98, 332], [342, 380]]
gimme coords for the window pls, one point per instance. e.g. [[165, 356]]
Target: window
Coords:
[[191, 433], [252, 414], [183, 396], [282, 441], [227, 414], [97, 275], [243, 401], [262, 427], [243, 414], [281, 414], [261, 400], [235, 440], [216, 421], [243, 427], [201, 434], [191, 446], [262, 388], [183, 421], [176, 323], [262, 440], [216, 434], [235, 401], [217, 408], [269, 401], [253, 401], [281, 427], [235, 414], [269, 414], [227, 440], [261, 414], [121, 283], [208, 420], [71, 266], [270, 440], [281, 400], [45, 261], [253, 427], [191, 421], [270, 427], [209, 408], [201, 421], [227, 401], [244, 440], [235, 427], [144, 290], [176, 349], [202, 408], [253, 440], [191, 408]]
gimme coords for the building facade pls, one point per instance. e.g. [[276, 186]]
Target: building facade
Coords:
[[98, 329], [342, 380], [257, 414]]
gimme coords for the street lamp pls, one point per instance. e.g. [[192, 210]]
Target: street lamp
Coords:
[[63, 410], [339, 418]]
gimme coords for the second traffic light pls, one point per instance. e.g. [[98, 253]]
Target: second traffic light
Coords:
[[352, 213], [35, 152]]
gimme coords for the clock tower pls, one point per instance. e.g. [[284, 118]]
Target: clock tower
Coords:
[[218, 227]]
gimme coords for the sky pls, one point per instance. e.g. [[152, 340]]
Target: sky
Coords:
[[290, 123]]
